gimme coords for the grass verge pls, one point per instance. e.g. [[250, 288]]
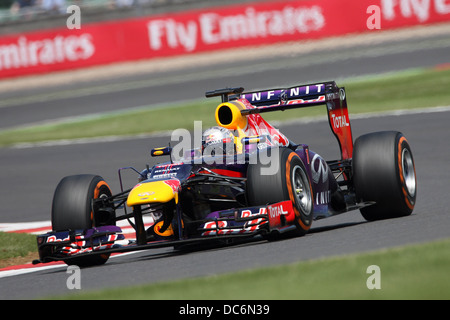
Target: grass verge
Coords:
[[17, 248], [418, 88], [409, 272]]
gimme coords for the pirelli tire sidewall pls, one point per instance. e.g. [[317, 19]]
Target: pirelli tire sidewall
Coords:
[[279, 186], [384, 172], [299, 190], [72, 209]]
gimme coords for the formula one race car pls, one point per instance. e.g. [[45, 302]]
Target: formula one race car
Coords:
[[244, 178]]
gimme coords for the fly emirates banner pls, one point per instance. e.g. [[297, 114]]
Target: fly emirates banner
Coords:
[[249, 24]]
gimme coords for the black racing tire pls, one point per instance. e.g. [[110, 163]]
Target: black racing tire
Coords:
[[384, 172], [290, 182], [72, 209]]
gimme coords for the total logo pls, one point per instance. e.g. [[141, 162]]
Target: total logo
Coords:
[[276, 211], [339, 121]]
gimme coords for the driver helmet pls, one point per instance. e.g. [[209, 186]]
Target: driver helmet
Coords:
[[218, 141]]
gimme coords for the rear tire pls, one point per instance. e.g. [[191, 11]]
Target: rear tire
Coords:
[[72, 209], [384, 172], [290, 182]]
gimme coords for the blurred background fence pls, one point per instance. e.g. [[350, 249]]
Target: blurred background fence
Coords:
[[34, 37], [23, 15]]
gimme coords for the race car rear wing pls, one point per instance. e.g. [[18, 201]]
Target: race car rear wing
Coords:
[[289, 98], [323, 93]]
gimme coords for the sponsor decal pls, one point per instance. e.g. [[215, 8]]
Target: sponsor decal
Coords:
[[223, 27], [54, 238], [215, 27], [319, 169], [146, 194], [87, 242], [213, 228], [280, 214], [174, 184], [248, 213], [166, 171], [23, 52], [276, 211], [284, 95], [419, 10], [323, 197], [339, 121]]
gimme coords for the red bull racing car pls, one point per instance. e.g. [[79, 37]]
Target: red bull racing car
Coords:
[[243, 179]]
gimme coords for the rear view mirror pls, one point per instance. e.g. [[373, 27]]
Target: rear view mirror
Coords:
[[253, 139], [163, 151]]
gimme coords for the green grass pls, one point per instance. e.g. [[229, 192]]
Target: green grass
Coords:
[[16, 245], [409, 272], [418, 88]]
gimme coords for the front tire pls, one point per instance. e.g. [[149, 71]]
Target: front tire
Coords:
[[384, 172], [72, 209], [290, 182]]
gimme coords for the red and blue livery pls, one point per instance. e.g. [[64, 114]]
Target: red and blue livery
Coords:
[[245, 179]]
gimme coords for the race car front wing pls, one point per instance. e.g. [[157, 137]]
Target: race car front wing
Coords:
[[225, 224]]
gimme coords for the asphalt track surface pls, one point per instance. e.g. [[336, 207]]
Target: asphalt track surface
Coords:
[[29, 175]]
